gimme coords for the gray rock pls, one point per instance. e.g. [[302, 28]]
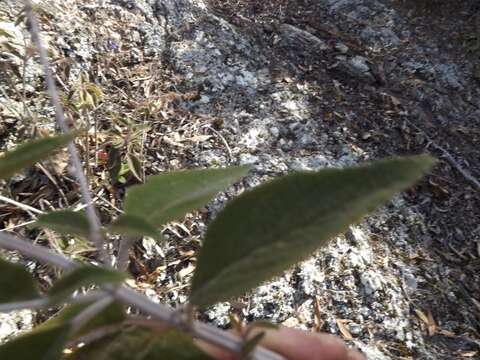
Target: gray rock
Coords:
[[342, 48], [371, 281], [246, 159], [13, 323], [298, 39]]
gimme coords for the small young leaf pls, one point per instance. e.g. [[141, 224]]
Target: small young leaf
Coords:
[[31, 152], [84, 275], [134, 226], [267, 230], [39, 344], [16, 283], [141, 344], [170, 196], [135, 166], [66, 222], [111, 315]]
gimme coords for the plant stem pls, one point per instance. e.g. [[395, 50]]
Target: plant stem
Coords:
[[90, 312], [126, 243], [207, 333], [46, 302], [95, 233]]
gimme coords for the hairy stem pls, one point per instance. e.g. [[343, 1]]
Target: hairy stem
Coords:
[[126, 243], [95, 233], [207, 333], [46, 302], [90, 312]]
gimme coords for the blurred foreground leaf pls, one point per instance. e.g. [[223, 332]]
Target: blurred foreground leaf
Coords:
[[31, 152], [40, 344], [270, 228], [112, 314], [66, 222], [140, 344], [16, 283], [134, 226], [84, 275]]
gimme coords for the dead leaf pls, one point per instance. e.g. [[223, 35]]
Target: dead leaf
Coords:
[[318, 319], [428, 320], [198, 138], [468, 354], [447, 333], [344, 329], [185, 271]]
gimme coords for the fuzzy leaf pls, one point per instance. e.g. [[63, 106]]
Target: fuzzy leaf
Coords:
[[16, 283], [134, 226], [267, 230], [112, 314], [140, 344], [84, 275], [135, 166], [31, 152], [172, 195], [40, 344], [66, 222]]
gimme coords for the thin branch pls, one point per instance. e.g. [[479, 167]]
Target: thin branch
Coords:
[[161, 312], [208, 333], [95, 335], [454, 163], [20, 305], [18, 226], [90, 312], [95, 232], [39, 253], [20, 205], [126, 243], [46, 302], [448, 157]]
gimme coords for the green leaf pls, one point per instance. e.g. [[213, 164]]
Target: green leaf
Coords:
[[111, 315], [141, 344], [31, 152], [170, 196], [66, 222], [16, 283], [135, 166], [134, 226], [85, 275], [267, 230], [41, 344]]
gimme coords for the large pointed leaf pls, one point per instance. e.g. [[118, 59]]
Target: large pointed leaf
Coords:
[[134, 226], [267, 230], [140, 344], [112, 314], [16, 283], [170, 196], [31, 152], [84, 275], [41, 344], [66, 222]]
